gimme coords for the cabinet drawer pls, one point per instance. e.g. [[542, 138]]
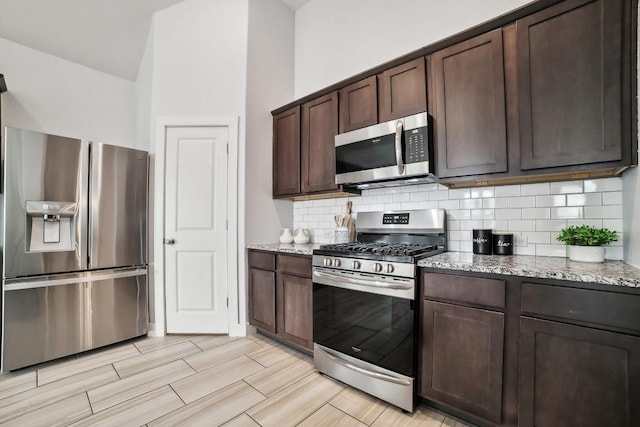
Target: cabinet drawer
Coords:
[[597, 307], [262, 260], [296, 265], [464, 289]]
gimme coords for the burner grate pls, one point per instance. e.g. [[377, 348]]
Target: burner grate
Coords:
[[403, 249]]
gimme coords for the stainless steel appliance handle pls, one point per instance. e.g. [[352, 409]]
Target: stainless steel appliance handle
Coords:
[[82, 278], [363, 282], [399, 160], [376, 375]]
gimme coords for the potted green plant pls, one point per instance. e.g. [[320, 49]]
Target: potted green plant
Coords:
[[585, 242]]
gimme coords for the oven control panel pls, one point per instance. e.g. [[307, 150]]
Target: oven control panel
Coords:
[[396, 269], [395, 218]]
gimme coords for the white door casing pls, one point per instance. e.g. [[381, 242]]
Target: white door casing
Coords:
[[235, 312]]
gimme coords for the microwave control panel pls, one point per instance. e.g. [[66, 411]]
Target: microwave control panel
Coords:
[[416, 145]]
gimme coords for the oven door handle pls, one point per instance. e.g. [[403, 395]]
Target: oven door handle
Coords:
[[363, 282], [398, 141], [376, 375]]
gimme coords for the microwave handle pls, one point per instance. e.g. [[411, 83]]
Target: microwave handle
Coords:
[[399, 159]]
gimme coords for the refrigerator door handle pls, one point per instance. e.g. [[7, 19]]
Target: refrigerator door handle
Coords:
[[18, 284]]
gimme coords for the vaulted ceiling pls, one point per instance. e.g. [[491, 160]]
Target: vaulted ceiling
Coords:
[[106, 35]]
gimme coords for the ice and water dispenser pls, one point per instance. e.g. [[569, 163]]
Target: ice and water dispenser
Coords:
[[50, 226]]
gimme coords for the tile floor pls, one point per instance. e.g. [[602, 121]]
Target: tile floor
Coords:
[[193, 380]]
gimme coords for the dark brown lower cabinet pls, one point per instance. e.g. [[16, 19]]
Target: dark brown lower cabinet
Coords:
[[280, 296], [462, 354], [577, 376], [262, 299], [295, 320]]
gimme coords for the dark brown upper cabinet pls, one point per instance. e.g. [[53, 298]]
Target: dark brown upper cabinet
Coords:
[[286, 152], [359, 104], [402, 90], [570, 58], [467, 101], [319, 127]]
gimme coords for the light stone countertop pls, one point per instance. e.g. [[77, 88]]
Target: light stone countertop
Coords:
[[616, 273], [286, 248]]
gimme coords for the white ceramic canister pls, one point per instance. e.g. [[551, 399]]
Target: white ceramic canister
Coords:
[[286, 236], [301, 236], [342, 235]]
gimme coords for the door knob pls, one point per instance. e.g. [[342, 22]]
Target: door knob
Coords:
[[169, 241]]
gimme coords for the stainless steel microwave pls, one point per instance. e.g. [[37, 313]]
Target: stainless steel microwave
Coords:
[[391, 151]]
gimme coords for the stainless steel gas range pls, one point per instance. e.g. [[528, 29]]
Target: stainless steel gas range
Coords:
[[364, 302]]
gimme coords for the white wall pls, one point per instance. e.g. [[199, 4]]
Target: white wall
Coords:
[[195, 67], [269, 85], [336, 39], [52, 95]]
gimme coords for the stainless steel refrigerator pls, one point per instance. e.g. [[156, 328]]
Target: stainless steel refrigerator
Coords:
[[74, 246]]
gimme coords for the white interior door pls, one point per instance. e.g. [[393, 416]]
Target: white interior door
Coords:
[[196, 229]]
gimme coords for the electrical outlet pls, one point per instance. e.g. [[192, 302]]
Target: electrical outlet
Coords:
[[521, 241]]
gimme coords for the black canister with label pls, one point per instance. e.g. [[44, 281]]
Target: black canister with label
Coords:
[[503, 243], [482, 242]]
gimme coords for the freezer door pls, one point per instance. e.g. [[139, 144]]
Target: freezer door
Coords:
[[45, 201], [118, 207], [55, 316]]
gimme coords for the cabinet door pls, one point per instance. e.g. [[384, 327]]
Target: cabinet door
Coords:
[[262, 299], [295, 311], [319, 127], [286, 152], [469, 107], [461, 360], [359, 104], [402, 91], [577, 376], [569, 84]]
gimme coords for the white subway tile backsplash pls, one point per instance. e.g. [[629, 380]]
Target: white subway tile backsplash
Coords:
[[613, 224], [460, 193], [453, 246], [614, 252], [471, 203], [535, 189], [535, 237], [551, 201], [605, 212], [526, 250], [482, 214], [507, 191], [460, 235], [508, 214], [470, 224], [438, 195], [495, 203], [603, 184], [482, 192], [550, 224], [612, 198], [584, 199], [567, 213], [449, 204], [522, 225], [459, 214], [522, 202], [401, 197], [496, 225], [565, 187], [551, 250], [536, 213]]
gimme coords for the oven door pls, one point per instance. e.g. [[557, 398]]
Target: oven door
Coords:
[[366, 317]]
